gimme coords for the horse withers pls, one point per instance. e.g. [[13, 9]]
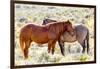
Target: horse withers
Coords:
[[81, 35], [49, 33]]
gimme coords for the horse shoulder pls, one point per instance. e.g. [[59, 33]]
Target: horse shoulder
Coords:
[[52, 35]]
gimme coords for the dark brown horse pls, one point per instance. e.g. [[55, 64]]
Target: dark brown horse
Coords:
[[46, 21], [81, 35], [49, 33]]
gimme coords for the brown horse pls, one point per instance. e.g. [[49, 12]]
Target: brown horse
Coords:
[[49, 33]]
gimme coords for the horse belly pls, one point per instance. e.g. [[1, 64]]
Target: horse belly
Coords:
[[40, 38], [81, 36]]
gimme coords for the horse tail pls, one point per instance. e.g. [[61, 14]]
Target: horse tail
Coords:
[[22, 44], [87, 38]]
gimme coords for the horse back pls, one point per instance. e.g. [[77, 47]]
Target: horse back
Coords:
[[81, 32]]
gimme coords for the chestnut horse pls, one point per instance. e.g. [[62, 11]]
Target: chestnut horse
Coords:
[[81, 35], [49, 33]]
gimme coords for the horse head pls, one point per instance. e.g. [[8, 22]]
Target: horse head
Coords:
[[69, 28]]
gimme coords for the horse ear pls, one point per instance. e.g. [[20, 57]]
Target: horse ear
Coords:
[[68, 21]]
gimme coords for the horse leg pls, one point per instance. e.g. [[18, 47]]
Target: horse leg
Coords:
[[83, 45], [53, 47], [52, 41], [49, 46], [27, 45], [61, 44]]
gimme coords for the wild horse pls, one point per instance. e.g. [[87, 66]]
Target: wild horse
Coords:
[[49, 33], [82, 36]]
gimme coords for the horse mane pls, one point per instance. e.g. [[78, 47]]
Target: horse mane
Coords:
[[57, 27]]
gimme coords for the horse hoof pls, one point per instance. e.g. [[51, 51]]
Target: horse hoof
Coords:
[[63, 54]]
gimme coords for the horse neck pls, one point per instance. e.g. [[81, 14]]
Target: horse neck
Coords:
[[58, 29], [62, 29]]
